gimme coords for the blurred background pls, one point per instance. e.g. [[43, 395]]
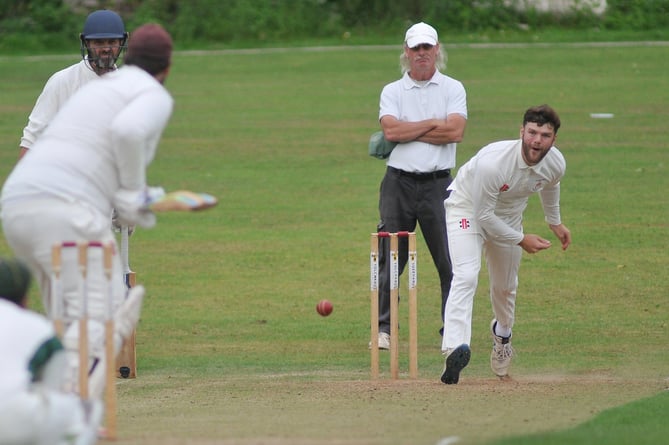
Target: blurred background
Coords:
[[51, 25]]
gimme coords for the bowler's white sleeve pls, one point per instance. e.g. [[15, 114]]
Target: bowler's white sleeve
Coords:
[[550, 201], [485, 194]]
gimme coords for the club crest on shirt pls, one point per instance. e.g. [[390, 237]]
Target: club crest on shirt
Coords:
[[538, 185], [465, 224], [504, 188]]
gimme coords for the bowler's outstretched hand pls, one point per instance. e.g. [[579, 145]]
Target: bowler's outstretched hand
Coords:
[[562, 233]]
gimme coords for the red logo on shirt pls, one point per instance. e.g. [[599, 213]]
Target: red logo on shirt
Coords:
[[504, 188], [464, 223]]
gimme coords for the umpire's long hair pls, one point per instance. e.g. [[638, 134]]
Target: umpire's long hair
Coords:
[[440, 61]]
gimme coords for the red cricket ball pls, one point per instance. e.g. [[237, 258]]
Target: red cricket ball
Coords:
[[324, 307]]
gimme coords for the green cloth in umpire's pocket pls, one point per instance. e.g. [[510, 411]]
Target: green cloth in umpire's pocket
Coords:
[[379, 146]]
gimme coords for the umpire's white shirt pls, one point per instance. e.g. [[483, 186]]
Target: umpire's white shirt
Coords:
[[493, 188], [408, 101]]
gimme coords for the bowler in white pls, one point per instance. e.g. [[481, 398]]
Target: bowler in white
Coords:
[[484, 214]]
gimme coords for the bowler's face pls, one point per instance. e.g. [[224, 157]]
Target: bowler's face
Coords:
[[537, 141]]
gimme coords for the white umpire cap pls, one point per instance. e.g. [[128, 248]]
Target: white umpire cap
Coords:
[[421, 33]]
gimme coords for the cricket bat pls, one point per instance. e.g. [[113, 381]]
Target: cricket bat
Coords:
[[126, 362], [182, 200]]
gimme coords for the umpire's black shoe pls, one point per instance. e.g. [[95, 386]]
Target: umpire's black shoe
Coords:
[[456, 360]]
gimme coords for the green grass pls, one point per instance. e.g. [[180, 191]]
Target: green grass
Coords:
[[637, 423], [281, 138]]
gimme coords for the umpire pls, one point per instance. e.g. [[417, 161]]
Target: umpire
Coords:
[[425, 112]]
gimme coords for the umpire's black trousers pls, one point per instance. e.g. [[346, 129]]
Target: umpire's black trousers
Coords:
[[404, 200]]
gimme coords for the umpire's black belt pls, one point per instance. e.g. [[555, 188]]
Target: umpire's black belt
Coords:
[[427, 176]]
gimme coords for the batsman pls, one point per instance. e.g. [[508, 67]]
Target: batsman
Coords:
[[92, 158], [102, 41]]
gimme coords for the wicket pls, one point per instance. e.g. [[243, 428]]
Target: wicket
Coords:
[[82, 251], [394, 303]]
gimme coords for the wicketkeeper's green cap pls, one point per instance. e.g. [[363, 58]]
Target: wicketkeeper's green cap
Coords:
[[14, 280]]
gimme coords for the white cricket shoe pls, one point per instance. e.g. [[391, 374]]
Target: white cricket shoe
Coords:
[[502, 352], [384, 341]]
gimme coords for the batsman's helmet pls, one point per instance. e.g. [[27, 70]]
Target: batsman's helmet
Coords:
[[102, 24]]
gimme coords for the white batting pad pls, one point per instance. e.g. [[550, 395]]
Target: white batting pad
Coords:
[[127, 315]]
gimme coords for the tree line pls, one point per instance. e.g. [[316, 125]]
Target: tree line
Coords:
[[50, 23]]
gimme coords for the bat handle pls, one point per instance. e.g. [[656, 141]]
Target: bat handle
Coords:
[[127, 273], [124, 249]]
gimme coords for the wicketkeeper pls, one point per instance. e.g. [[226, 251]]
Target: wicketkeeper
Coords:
[[34, 410]]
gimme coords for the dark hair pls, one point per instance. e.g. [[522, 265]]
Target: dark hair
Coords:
[[150, 48], [149, 64], [541, 115], [15, 280]]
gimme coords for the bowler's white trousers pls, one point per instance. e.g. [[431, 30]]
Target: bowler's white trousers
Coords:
[[467, 243]]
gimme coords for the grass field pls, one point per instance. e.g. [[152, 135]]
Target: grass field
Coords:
[[230, 348]]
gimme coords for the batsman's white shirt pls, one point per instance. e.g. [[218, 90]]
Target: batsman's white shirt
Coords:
[[407, 101], [98, 146], [101, 141], [57, 90]]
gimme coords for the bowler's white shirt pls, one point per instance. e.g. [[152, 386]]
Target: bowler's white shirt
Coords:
[[101, 141], [57, 90], [493, 188], [407, 101]]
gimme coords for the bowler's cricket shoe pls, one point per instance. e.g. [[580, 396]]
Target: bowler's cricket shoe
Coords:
[[456, 360], [502, 352]]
